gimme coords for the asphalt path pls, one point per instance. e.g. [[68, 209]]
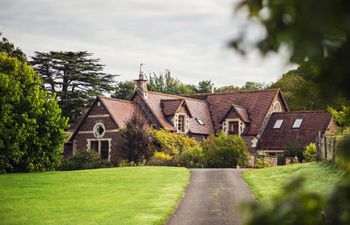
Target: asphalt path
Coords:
[[212, 197]]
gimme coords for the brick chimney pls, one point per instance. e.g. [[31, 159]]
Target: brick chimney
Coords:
[[141, 84]]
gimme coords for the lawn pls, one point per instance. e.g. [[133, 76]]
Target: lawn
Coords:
[[265, 183], [136, 195]]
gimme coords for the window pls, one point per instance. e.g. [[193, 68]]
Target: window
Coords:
[[297, 123], [181, 123], [99, 130], [233, 127], [277, 107], [101, 147], [278, 124], [199, 121]]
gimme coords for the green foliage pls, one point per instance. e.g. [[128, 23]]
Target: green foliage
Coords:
[[135, 141], [310, 153], [171, 143], [259, 160], [75, 77], [165, 83], [11, 50], [297, 206], [124, 90], [300, 94], [204, 86], [191, 157], [224, 151], [294, 149], [252, 86], [31, 126], [84, 159], [342, 116], [161, 159]]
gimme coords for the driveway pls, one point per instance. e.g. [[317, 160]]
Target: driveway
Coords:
[[212, 197]]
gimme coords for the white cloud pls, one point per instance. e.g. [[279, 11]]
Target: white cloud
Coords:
[[189, 37]]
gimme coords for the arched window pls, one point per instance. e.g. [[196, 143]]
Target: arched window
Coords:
[[99, 130], [277, 107]]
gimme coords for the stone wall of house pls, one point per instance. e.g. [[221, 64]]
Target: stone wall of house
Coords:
[[248, 141]]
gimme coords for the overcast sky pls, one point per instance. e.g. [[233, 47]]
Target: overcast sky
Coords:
[[188, 37]]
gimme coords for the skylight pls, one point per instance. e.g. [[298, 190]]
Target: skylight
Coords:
[[200, 121], [297, 123], [278, 124]]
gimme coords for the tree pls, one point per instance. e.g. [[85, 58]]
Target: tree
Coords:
[[31, 125], [205, 86], [75, 77], [229, 88], [135, 141], [124, 90], [165, 83], [252, 86], [11, 50]]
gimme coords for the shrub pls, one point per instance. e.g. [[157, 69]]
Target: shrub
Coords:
[[310, 153], [171, 143], [84, 159], [294, 148], [260, 161], [135, 141], [161, 159], [191, 158], [225, 151]]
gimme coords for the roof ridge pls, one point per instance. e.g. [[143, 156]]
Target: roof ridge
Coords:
[[115, 99], [304, 111], [234, 92], [178, 96]]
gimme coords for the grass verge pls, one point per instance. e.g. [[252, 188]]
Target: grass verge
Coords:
[[268, 182], [134, 195]]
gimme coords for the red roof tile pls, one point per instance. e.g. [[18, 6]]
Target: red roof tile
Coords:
[[257, 103], [120, 110], [198, 109], [279, 138], [170, 106]]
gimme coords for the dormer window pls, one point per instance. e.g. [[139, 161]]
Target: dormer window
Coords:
[[181, 123], [297, 123], [199, 121], [278, 124], [233, 127]]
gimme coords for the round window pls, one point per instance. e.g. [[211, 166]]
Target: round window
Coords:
[[99, 130], [277, 107]]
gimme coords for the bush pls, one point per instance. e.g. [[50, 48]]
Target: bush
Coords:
[[161, 159], [191, 158], [294, 148], [310, 153], [84, 159], [224, 151], [260, 161], [135, 141], [171, 143]]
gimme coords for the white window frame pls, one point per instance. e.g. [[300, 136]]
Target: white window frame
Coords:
[[278, 124], [94, 130], [241, 125], [277, 104], [99, 145], [186, 123], [297, 123]]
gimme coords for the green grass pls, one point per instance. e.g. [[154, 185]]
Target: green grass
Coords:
[[137, 195], [268, 182]]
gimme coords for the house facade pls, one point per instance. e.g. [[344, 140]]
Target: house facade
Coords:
[[261, 118]]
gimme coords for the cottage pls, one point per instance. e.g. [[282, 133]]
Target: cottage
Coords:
[[261, 118]]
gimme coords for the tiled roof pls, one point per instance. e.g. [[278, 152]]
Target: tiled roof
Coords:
[[198, 109], [170, 106], [257, 103], [279, 138], [120, 110], [242, 112]]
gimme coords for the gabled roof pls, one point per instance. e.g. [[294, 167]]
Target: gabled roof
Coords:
[[279, 138], [198, 109], [120, 111], [257, 103], [241, 112]]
